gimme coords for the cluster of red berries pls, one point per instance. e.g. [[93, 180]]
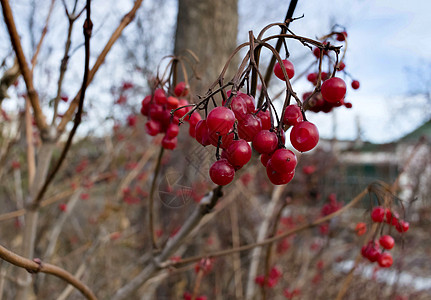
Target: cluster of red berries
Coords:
[[253, 125], [333, 89], [157, 107], [372, 250], [271, 281]]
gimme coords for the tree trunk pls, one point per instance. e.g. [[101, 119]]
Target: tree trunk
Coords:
[[208, 28]]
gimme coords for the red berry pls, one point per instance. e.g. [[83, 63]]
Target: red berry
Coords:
[[181, 112], [385, 260], [249, 127], [278, 178], [378, 214], [131, 120], [152, 127], [220, 120], [355, 84], [247, 99], [264, 159], [194, 119], [181, 89], [312, 77], [202, 135], [238, 153], [307, 170], [283, 161], [265, 119], [275, 273], [145, 108], [333, 90], [341, 66], [289, 70], [348, 105], [292, 115], [260, 280], [341, 36], [172, 102], [360, 228], [239, 107], [316, 52], [402, 226], [222, 172], [172, 131], [160, 96], [304, 136], [373, 253], [387, 242], [265, 142], [62, 206], [169, 144]]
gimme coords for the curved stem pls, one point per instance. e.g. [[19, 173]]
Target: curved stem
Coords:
[[35, 266]]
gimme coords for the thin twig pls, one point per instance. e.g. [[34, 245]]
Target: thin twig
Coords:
[[99, 61]]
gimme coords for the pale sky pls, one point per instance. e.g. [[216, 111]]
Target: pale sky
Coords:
[[388, 41]]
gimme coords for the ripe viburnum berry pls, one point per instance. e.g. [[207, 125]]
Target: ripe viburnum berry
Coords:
[[283, 161], [312, 77], [402, 226], [292, 115], [265, 141], [371, 251], [304, 136], [341, 66], [385, 260], [238, 153], [181, 89], [160, 96], [201, 133], [276, 177], [265, 119], [145, 105], [341, 36], [222, 172], [333, 90], [172, 102], [182, 111], [289, 70], [152, 127], [239, 107], [360, 228], [264, 159], [378, 214], [248, 127], [387, 242], [249, 101], [220, 120], [169, 143], [172, 131], [355, 84]]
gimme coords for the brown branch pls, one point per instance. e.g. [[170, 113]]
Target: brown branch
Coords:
[[100, 59], [36, 266], [25, 71]]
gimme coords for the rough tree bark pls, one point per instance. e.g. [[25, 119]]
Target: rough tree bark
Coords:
[[208, 28]]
